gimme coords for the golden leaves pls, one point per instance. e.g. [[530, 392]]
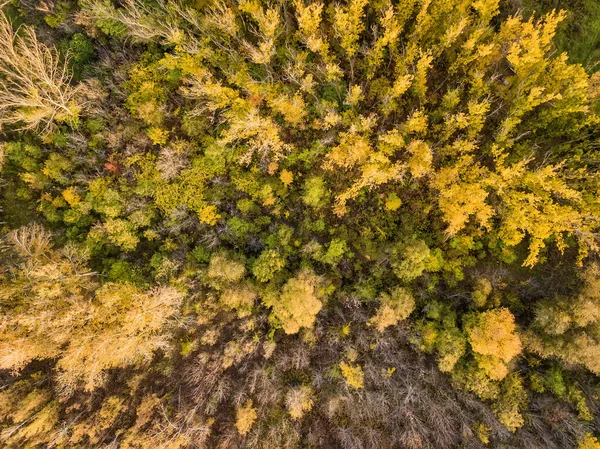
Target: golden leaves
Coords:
[[492, 336]]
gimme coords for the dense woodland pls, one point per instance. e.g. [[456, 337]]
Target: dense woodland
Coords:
[[299, 224]]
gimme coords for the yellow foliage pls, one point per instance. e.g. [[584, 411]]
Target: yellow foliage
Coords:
[[209, 215], [483, 288], [529, 41], [492, 336], [293, 108], [392, 23], [401, 85], [30, 416], [215, 96], [125, 326], [353, 374], [245, 417], [299, 302], [36, 88], [333, 72], [158, 136], [348, 24], [588, 442], [309, 20], [479, 113], [224, 270], [286, 177], [395, 307], [420, 160], [44, 296], [70, 195], [223, 17], [417, 123], [260, 133], [376, 171], [567, 328], [236, 351], [419, 83], [240, 297], [463, 196], [353, 149], [483, 433], [393, 202], [355, 94], [43, 422]]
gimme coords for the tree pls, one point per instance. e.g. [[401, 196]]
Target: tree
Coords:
[[299, 302], [267, 265], [245, 417], [441, 334], [299, 401], [29, 414], [569, 328], [353, 374], [492, 336], [223, 270], [511, 401], [239, 297], [588, 442], [45, 297], [35, 83], [395, 306], [410, 260], [53, 310], [348, 25], [138, 19], [266, 190], [126, 326]]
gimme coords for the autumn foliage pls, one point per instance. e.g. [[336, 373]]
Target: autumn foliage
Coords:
[[252, 224]]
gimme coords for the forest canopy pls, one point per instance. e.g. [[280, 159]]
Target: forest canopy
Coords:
[[299, 224]]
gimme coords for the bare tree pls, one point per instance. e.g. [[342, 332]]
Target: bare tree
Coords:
[[35, 84], [144, 23]]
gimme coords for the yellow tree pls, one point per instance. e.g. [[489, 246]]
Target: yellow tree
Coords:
[[395, 306], [494, 340], [45, 296], [52, 310], [298, 303], [125, 327]]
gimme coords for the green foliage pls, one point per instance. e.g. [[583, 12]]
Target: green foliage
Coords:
[[411, 260], [261, 210], [123, 271], [60, 13], [267, 265], [315, 192], [335, 252], [79, 47], [512, 400], [441, 334], [201, 254]]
